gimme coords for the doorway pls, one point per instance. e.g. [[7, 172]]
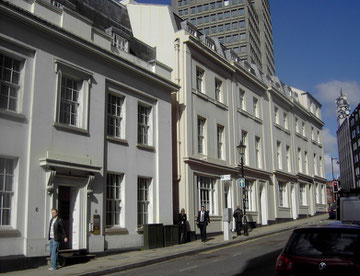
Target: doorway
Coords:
[[69, 211], [263, 204], [294, 202]]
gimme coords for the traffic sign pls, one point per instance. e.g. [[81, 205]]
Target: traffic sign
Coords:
[[225, 177], [242, 182]]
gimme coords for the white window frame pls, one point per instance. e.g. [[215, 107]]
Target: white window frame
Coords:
[[256, 112], [218, 90], [258, 159], [145, 124], [116, 116], [200, 79], [8, 176], [306, 163], [201, 134], [206, 187], [250, 195], [114, 199], [244, 136], [242, 99], [317, 196], [288, 158], [279, 155], [302, 191], [65, 70], [286, 120], [315, 165], [10, 99], [297, 125], [299, 156], [143, 201], [220, 141], [276, 113], [283, 200]]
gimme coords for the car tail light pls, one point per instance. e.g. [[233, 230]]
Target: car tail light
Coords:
[[284, 263]]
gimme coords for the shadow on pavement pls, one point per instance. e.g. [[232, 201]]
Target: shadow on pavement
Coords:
[[261, 266]]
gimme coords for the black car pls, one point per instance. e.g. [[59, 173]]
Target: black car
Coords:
[[321, 250]]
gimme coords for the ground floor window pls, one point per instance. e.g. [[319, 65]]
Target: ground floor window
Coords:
[[282, 194], [113, 199], [206, 193], [303, 195], [6, 189], [143, 201], [250, 195]]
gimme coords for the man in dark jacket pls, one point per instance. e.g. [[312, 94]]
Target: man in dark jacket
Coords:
[[182, 226], [56, 235], [202, 221], [238, 215]]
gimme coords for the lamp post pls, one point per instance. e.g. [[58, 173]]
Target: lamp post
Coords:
[[241, 149], [332, 167]]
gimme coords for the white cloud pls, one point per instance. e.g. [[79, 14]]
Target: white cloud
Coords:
[[329, 142], [327, 92]]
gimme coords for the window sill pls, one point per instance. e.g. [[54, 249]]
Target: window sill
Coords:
[[8, 232], [282, 128], [117, 140], [72, 129], [301, 136], [116, 231], [11, 115], [145, 147]]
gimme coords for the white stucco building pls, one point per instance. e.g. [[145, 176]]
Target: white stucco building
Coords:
[[221, 101], [85, 126]]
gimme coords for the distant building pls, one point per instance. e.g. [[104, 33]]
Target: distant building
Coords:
[[222, 100], [345, 140], [241, 25], [355, 143]]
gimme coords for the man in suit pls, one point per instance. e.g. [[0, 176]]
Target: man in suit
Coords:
[[202, 221], [182, 226], [56, 235]]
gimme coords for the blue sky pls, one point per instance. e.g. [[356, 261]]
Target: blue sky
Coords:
[[317, 49]]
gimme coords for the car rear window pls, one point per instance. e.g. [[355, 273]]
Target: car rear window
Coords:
[[325, 242]]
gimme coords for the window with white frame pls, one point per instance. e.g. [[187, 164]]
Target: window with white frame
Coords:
[[320, 166], [116, 116], [244, 136], [207, 193], [199, 79], [278, 155], [303, 195], [7, 168], [218, 93], [73, 95], [10, 70], [282, 194], [303, 129], [250, 195], [144, 125], [315, 165], [299, 156], [258, 152], [220, 142], [288, 159], [312, 134], [306, 163], [255, 107], [143, 201], [286, 123], [113, 199], [201, 134], [242, 99], [318, 136], [276, 113], [297, 129], [317, 195]]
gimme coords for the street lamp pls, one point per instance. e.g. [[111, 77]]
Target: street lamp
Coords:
[[241, 149], [332, 167]]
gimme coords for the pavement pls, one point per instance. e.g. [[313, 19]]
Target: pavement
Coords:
[[133, 259]]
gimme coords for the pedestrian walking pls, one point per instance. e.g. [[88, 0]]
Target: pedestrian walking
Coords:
[[202, 221], [56, 236], [182, 226], [238, 215]]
